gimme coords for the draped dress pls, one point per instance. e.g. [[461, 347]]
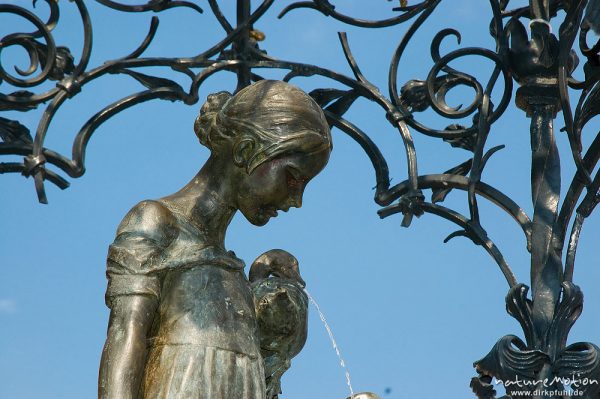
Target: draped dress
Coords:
[[203, 342]]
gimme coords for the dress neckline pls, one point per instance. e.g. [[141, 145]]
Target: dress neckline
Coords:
[[210, 252]]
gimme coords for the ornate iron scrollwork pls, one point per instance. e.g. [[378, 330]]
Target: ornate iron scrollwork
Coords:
[[539, 61]]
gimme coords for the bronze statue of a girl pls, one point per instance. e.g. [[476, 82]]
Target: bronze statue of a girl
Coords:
[[183, 322]]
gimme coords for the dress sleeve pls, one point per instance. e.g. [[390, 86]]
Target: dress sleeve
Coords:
[[134, 258]]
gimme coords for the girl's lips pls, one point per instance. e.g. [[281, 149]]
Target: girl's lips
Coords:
[[271, 212]]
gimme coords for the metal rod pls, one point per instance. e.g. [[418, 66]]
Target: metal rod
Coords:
[[241, 44]]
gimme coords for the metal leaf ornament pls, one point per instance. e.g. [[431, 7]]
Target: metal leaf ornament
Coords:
[[153, 82], [439, 195], [543, 361], [592, 15], [13, 132]]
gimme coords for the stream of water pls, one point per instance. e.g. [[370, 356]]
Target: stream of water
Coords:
[[335, 346]]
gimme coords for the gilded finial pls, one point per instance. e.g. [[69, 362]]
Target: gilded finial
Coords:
[[257, 35]]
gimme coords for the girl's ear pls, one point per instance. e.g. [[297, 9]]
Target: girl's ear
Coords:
[[243, 150]]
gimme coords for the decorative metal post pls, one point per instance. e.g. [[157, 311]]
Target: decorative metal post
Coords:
[[539, 61], [242, 42]]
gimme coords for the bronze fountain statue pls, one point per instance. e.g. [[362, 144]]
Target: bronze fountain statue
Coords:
[[185, 320]]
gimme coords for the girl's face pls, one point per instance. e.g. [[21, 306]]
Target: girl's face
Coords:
[[277, 185]]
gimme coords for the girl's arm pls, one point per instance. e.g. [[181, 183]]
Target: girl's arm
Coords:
[[133, 295], [124, 354]]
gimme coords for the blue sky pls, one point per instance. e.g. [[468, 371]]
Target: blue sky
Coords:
[[410, 313]]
